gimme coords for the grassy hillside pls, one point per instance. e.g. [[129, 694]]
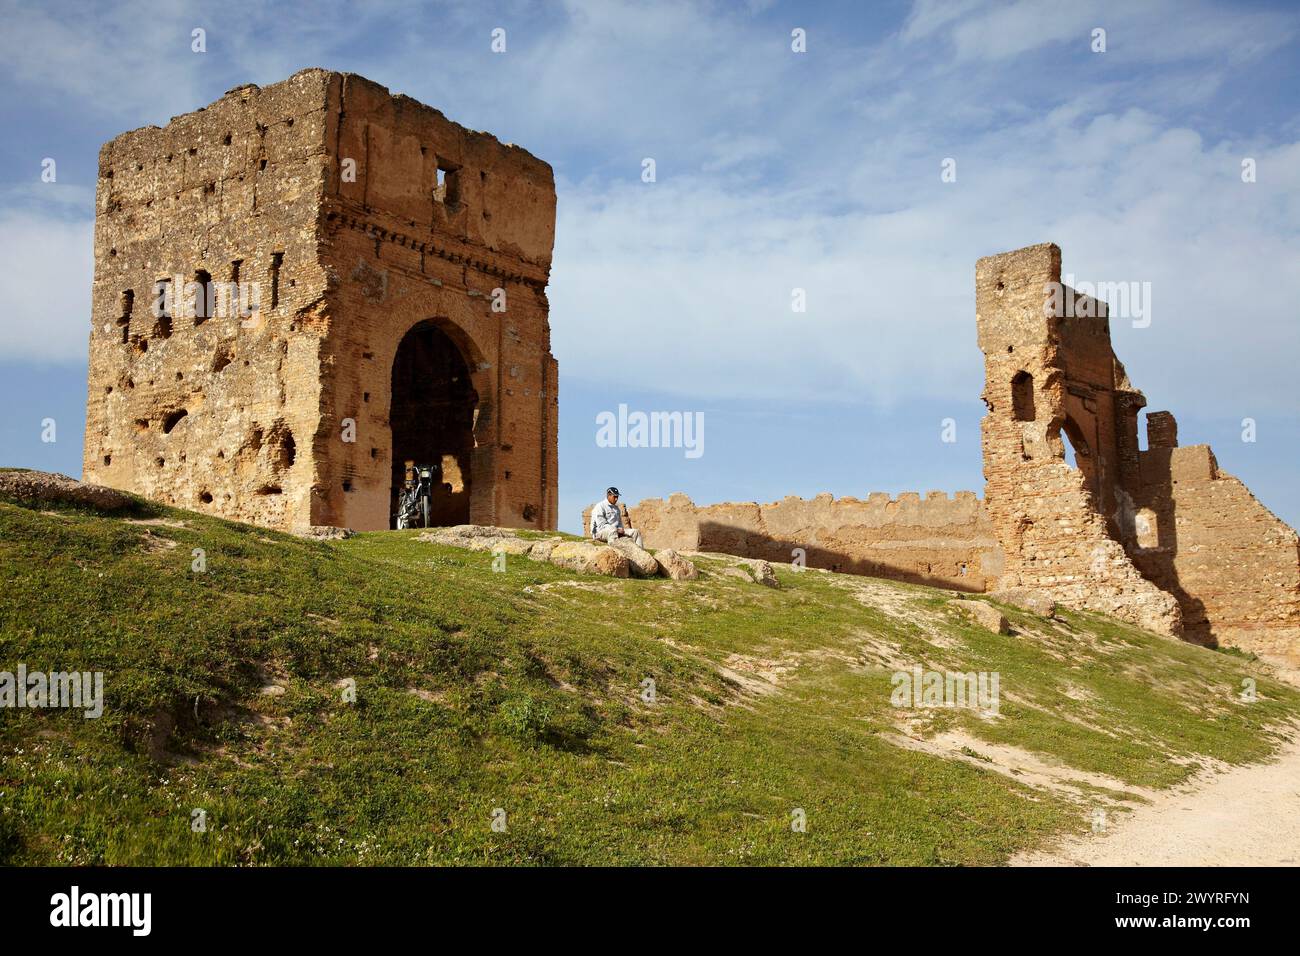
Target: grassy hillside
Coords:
[[522, 690]]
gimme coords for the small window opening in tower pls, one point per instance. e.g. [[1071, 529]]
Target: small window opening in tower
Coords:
[[124, 320], [447, 190], [277, 259], [1022, 397], [203, 304]]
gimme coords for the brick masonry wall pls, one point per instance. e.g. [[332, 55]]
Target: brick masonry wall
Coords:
[[1232, 564], [399, 253], [1160, 537], [238, 181], [937, 540]]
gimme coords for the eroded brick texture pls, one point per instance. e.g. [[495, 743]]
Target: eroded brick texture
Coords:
[[1159, 537], [1199, 534], [380, 235], [1046, 376]]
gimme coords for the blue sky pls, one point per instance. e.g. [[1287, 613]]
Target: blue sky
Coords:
[[775, 171]]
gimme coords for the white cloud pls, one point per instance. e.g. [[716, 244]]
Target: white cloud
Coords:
[[1155, 31], [46, 264], [696, 276], [777, 171], [1017, 28], [122, 59], [928, 16]]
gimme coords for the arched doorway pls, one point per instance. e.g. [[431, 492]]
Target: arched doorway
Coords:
[[432, 419]]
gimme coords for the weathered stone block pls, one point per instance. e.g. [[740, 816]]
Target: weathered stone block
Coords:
[[1037, 602], [983, 614], [588, 558], [761, 572], [641, 562], [44, 487], [673, 565]]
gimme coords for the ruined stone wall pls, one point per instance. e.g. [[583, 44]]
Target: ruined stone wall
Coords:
[[1049, 516], [361, 218], [1159, 537], [359, 215], [1198, 533], [210, 413], [947, 542], [401, 249]]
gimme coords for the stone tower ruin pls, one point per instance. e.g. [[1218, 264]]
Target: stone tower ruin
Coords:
[[1159, 537], [300, 287]]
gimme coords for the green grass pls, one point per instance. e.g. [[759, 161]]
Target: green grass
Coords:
[[522, 690]]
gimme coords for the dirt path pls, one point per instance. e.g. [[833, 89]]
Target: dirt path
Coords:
[[1244, 816]]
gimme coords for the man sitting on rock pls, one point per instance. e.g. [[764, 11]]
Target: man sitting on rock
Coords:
[[607, 521]]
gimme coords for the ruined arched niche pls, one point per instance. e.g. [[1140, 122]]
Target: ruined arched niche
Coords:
[[1022, 397]]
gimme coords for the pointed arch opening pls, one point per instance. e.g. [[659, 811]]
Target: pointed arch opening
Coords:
[[432, 420]]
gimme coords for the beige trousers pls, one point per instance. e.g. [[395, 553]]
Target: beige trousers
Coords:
[[629, 534]]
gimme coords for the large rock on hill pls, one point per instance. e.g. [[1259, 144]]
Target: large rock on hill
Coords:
[[590, 559], [983, 614], [673, 565], [1029, 599], [641, 562], [41, 486], [620, 559]]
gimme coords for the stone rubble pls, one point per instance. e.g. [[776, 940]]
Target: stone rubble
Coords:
[[620, 560], [673, 565], [641, 562], [1027, 599], [983, 614]]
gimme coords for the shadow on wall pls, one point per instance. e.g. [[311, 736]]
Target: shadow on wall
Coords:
[[731, 539], [1152, 544]]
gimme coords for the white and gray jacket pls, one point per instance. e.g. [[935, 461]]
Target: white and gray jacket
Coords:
[[603, 516]]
